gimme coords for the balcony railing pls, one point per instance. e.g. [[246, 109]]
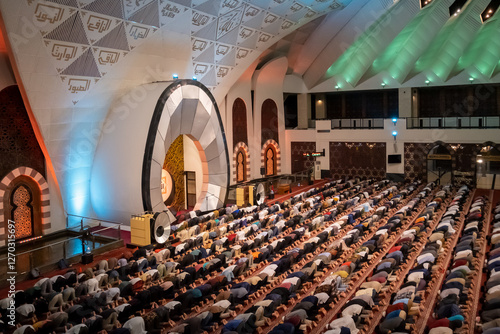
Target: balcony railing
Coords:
[[475, 122], [358, 123]]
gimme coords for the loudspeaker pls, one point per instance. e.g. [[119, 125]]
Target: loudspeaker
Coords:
[[262, 171], [87, 258]]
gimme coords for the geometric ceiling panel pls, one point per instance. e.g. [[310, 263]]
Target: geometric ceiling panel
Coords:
[[229, 21], [137, 33], [148, 15], [247, 38], [84, 66], [132, 6], [116, 39], [71, 30], [63, 54], [210, 7], [70, 3], [207, 32], [253, 17], [200, 20], [98, 25], [107, 58], [222, 51], [106, 7], [230, 38], [207, 56], [185, 3]]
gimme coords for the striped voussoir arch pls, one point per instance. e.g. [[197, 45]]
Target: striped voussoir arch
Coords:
[[244, 147], [278, 154], [44, 191]]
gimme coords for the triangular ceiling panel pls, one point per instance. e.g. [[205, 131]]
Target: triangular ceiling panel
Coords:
[[209, 78], [147, 15], [253, 17], [132, 6], [222, 50], [200, 20], [116, 39], [84, 66], [208, 32], [107, 58], [71, 30], [207, 56], [221, 72], [200, 69], [106, 7], [51, 15], [138, 33], [98, 26], [69, 3], [199, 46], [272, 24], [185, 3], [210, 7], [63, 54], [247, 36], [229, 21], [229, 59], [175, 18], [230, 38]]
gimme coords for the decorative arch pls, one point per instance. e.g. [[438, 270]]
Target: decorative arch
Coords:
[[243, 149], [240, 133], [269, 121], [43, 186], [263, 159]]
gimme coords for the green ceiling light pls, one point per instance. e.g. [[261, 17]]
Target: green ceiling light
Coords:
[[337, 87], [383, 84], [446, 49], [359, 57], [471, 79], [400, 56], [482, 54], [427, 82]]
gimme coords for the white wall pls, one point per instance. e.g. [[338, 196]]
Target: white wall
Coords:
[[192, 162]]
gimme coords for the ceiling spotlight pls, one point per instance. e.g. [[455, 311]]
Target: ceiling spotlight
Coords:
[[471, 79], [337, 87], [383, 84], [195, 78], [427, 82], [394, 133], [175, 76], [394, 120], [479, 161]]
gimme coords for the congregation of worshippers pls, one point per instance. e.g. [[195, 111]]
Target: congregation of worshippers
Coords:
[[349, 256]]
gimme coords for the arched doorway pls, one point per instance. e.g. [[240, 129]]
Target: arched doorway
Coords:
[[439, 164], [488, 167], [270, 160], [22, 204]]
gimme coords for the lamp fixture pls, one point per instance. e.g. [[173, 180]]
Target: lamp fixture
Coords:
[[175, 76], [471, 79], [383, 84], [427, 82], [195, 78]]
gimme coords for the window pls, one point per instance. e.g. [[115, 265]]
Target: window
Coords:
[[22, 211], [241, 168]]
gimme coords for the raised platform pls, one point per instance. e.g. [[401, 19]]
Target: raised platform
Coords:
[[44, 253]]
